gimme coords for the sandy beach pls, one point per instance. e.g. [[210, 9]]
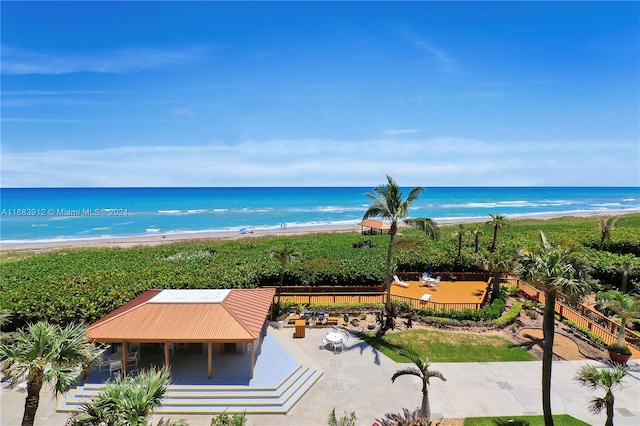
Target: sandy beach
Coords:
[[158, 239]]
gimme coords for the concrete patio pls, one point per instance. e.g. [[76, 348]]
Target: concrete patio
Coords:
[[359, 379]]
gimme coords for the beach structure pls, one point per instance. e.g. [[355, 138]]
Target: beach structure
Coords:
[[221, 321], [374, 226]]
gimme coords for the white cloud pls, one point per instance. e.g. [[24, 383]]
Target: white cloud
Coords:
[[127, 60], [393, 132], [305, 162]]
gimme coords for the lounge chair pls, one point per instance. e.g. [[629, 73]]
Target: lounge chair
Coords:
[[425, 297], [398, 281]]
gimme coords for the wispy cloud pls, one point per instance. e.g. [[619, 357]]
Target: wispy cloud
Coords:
[[434, 53], [16, 61], [394, 132], [304, 162], [183, 112]]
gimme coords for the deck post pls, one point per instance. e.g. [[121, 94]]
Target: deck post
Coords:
[[124, 357], [166, 354], [210, 358], [253, 361]]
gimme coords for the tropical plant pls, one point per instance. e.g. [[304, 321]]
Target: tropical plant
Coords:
[[125, 401], [607, 379], [223, 419], [625, 306], [498, 221], [45, 353], [497, 263], [420, 370], [284, 255], [477, 231], [459, 234], [553, 270], [403, 419], [348, 419], [626, 266], [606, 225], [427, 225], [388, 203]]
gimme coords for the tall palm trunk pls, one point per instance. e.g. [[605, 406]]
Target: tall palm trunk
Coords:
[[548, 330], [31, 403], [281, 283], [625, 280], [392, 235], [425, 409], [608, 399], [495, 288], [495, 238]]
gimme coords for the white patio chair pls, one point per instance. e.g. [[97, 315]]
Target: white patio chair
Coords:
[[347, 335], [324, 342], [104, 364], [133, 358], [338, 345], [115, 366]]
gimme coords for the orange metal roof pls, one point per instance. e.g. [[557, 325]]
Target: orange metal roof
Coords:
[[375, 224], [239, 317]]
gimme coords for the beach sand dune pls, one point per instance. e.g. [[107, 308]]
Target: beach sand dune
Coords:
[[35, 246]]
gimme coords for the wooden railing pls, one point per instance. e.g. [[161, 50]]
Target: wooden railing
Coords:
[[584, 315], [421, 304]]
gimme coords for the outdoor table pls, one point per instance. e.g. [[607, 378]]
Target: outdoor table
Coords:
[[334, 337], [300, 328]]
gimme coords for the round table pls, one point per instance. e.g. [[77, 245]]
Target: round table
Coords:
[[334, 338]]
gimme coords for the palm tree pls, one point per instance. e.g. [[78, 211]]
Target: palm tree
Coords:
[[43, 353], [388, 203], [553, 270], [498, 221], [607, 379], [497, 263], [284, 255], [429, 226], [458, 234], [625, 306], [606, 225], [626, 266], [477, 231], [126, 400], [421, 370]]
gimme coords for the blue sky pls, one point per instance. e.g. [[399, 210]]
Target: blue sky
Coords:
[[320, 94]]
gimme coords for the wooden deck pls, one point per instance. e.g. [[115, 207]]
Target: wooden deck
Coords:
[[447, 295], [445, 291]]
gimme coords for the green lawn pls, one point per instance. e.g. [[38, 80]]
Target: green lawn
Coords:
[[558, 420], [441, 346]]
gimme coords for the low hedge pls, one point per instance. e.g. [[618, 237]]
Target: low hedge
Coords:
[[509, 317]]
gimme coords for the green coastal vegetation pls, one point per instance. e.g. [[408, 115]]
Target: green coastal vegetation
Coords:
[[82, 285]]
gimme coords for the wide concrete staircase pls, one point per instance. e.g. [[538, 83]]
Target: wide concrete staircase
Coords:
[[276, 394]]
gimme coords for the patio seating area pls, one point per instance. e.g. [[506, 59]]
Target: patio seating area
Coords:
[[438, 291]]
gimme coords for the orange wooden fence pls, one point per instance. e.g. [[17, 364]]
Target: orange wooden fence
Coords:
[[583, 315]]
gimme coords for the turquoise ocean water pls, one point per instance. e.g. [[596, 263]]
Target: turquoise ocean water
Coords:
[[39, 214]]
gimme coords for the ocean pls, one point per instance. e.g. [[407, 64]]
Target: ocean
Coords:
[[58, 214]]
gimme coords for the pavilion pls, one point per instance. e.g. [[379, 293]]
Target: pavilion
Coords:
[[220, 320], [375, 226]]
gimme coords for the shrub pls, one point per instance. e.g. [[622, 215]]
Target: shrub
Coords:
[[510, 316]]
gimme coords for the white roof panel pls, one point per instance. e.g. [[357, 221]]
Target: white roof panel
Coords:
[[190, 296]]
